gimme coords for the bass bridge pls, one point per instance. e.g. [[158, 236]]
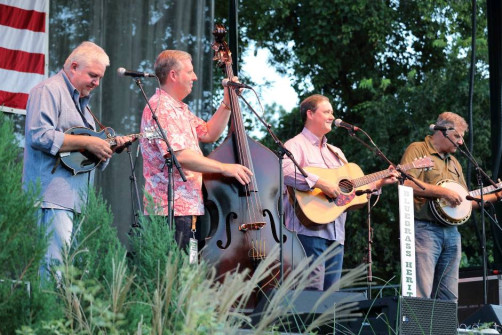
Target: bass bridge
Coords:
[[251, 226]]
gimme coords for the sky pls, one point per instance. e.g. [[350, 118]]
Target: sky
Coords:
[[279, 90]]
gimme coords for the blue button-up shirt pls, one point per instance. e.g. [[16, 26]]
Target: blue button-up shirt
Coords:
[[53, 107]]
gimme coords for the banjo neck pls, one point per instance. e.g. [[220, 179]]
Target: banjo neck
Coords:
[[486, 190]]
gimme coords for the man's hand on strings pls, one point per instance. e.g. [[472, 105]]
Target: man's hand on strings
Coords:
[[239, 172], [123, 142], [328, 187], [391, 179]]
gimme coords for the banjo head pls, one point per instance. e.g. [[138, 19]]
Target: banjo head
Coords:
[[452, 215]]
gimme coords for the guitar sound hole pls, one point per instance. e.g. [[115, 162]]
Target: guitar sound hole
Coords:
[[346, 186]]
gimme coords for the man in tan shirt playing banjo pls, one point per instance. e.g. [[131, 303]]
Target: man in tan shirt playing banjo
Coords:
[[440, 208]]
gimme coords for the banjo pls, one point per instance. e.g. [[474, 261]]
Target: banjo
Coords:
[[456, 216]]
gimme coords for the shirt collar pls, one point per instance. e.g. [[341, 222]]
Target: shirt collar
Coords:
[[313, 138], [172, 101], [432, 150], [81, 103]]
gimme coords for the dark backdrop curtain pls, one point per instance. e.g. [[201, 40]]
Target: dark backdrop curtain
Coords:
[[133, 33], [494, 15]]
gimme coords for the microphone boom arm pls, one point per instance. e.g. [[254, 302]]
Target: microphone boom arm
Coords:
[[380, 154]]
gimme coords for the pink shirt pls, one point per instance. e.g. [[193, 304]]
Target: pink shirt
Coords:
[[183, 130], [307, 151]]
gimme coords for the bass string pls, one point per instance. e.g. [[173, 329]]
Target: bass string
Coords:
[[253, 202], [252, 199]]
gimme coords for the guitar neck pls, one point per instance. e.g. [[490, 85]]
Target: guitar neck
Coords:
[[486, 190], [372, 177]]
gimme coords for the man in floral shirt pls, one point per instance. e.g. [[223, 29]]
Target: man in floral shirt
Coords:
[[184, 130]]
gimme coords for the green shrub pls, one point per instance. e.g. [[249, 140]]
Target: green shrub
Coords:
[[22, 243], [100, 290]]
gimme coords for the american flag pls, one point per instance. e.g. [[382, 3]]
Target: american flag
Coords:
[[24, 45]]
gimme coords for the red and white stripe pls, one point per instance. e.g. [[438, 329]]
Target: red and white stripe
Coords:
[[24, 50]]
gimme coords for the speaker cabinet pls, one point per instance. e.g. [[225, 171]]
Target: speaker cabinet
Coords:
[[402, 315], [486, 314], [470, 291]]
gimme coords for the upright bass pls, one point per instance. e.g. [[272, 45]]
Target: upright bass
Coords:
[[244, 219]]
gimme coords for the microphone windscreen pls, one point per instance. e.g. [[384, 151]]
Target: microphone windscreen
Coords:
[[121, 71]]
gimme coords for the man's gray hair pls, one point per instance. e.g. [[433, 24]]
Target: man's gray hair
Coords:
[[169, 60], [85, 53], [449, 119]]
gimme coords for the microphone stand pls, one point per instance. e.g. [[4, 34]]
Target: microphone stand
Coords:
[[134, 188], [368, 258], [170, 159], [403, 174], [479, 174], [380, 154], [281, 151], [134, 191]]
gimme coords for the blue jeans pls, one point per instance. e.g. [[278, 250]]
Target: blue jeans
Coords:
[[437, 252], [59, 224], [330, 271]]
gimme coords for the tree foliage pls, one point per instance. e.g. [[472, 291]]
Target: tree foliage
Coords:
[[389, 67]]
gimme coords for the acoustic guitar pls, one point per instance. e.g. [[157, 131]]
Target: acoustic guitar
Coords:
[[84, 161], [314, 207], [456, 216]]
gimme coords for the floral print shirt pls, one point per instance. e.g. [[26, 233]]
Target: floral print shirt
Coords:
[[183, 130]]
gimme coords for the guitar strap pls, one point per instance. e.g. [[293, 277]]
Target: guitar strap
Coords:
[[337, 155], [58, 161], [101, 127]]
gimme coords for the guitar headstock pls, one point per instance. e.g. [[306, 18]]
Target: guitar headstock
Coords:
[[423, 163]]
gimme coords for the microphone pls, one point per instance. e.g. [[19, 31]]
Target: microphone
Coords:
[[433, 127], [127, 73], [340, 123], [227, 83], [468, 197], [367, 191]]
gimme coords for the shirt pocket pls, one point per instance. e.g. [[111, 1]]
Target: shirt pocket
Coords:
[[69, 117]]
